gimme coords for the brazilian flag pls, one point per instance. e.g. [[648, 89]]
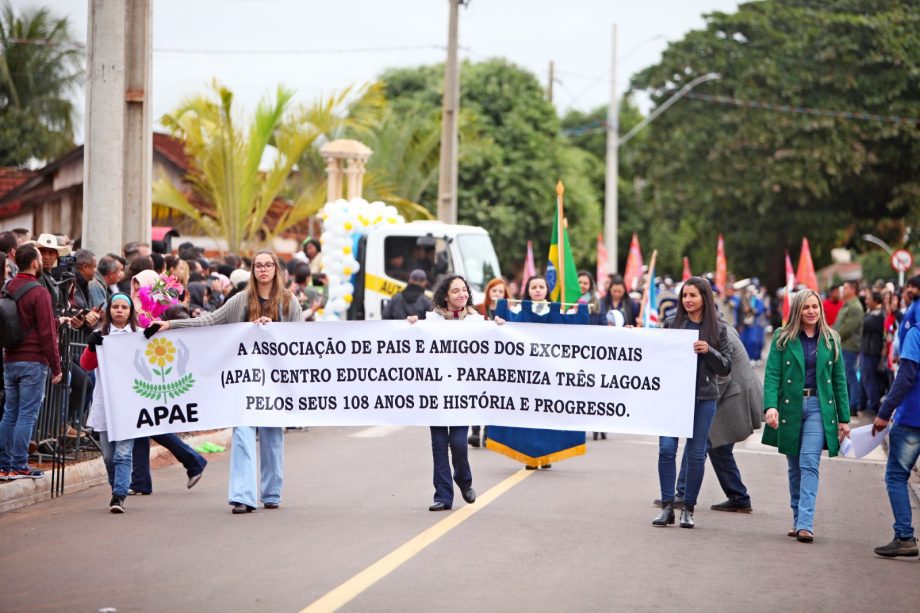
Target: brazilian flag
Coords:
[[566, 264], [535, 446]]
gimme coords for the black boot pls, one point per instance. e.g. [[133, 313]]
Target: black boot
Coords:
[[686, 516], [666, 517]]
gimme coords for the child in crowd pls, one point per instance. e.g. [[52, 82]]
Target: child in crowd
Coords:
[[119, 318]]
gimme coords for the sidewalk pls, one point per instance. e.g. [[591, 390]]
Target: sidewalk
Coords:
[[82, 475]]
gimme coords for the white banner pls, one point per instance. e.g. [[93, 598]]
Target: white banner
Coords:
[[564, 377]]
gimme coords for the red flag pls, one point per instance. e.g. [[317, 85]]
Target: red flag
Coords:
[[805, 275], [633, 274], [790, 286], [721, 265], [687, 274], [601, 263], [530, 268]]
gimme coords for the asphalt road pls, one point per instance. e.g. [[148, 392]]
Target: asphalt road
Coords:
[[575, 538]]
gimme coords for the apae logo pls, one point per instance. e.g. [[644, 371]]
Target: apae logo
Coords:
[[162, 356]]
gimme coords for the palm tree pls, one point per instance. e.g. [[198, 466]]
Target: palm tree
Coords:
[[407, 153], [40, 67], [230, 193], [362, 114]]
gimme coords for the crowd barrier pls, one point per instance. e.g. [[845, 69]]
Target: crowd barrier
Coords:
[[59, 432]]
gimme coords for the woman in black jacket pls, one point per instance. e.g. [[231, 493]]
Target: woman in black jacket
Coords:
[[695, 311]]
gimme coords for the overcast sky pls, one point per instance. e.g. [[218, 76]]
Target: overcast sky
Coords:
[[319, 47]]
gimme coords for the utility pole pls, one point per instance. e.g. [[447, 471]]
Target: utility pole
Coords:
[[118, 148], [552, 79], [450, 142], [611, 211]]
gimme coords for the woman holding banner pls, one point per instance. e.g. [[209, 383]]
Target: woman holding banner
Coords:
[[452, 301], [696, 310], [263, 301], [806, 402], [496, 290]]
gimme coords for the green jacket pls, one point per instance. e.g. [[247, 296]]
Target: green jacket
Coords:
[[849, 324], [784, 381]]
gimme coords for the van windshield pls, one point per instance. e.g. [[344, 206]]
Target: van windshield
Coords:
[[479, 260]]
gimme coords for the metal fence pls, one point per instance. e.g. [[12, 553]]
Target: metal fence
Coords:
[[60, 432]]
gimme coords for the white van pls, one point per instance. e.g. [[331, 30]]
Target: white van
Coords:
[[387, 256]]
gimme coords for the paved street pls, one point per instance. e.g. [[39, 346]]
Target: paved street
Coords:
[[574, 538]]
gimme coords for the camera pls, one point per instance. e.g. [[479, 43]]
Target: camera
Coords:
[[64, 269]]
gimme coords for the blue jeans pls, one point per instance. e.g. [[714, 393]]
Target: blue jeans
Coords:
[[704, 411], [24, 383], [868, 378], [803, 468], [850, 358], [726, 469], [442, 438], [141, 480], [243, 477], [117, 458], [903, 452]]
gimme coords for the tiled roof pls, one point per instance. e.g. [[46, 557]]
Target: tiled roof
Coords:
[[172, 149], [11, 178]]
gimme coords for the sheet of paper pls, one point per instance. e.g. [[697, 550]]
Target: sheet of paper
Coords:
[[861, 442]]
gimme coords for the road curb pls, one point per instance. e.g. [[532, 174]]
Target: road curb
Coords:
[[24, 492]]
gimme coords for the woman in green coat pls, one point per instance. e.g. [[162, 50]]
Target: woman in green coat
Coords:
[[805, 402]]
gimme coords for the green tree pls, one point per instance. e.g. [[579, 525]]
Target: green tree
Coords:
[[231, 190], [40, 67], [765, 178], [588, 131], [511, 155]]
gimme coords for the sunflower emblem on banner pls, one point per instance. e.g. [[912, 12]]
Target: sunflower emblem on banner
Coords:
[[161, 354]]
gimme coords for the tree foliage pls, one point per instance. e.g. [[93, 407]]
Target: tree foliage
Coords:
[[242, 167], [40, 66], [226, 175], [588, 131], [765, 178], [511, 155]]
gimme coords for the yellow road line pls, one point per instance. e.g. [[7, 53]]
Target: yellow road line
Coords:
[[343, 594]]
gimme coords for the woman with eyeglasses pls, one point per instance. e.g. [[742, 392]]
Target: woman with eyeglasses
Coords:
[[264, 300]]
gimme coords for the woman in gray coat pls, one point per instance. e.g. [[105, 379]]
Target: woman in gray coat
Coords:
[[738, 414]]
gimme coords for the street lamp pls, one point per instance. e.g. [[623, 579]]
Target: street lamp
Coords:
[[877, 241], [614, 142], [683, 91]]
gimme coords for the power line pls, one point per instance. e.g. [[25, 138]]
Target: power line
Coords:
[[804, 110], [198, 51], [195, 51], [601, 126]]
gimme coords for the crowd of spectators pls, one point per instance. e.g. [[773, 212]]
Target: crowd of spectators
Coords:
[[77, 285]]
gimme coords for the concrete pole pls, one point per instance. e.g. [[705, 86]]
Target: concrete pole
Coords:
[[118, 152], [611, 207], [552, 79], [447, 177]]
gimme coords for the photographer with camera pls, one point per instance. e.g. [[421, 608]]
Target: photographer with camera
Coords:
[[57, 276]]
